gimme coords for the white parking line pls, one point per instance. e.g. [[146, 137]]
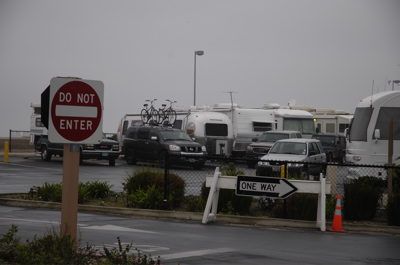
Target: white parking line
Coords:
[[117, 228], [196, 253]]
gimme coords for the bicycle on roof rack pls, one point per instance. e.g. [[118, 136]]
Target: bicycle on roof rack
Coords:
[[167, 116], [149, 114]]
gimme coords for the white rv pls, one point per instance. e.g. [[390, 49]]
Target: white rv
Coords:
[[246, 124], [332, 123], [292, 120], [211, 129], [368, 133], [36, 127]]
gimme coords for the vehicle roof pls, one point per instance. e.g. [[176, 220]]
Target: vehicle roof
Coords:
[[298, 140], [285, 131], [160, 128], [327, 134]]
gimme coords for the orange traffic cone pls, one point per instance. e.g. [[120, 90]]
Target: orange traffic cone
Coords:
[[337, 219]]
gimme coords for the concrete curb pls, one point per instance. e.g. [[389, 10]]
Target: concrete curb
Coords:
[[192, 216]]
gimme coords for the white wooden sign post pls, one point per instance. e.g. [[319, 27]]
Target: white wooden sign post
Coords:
[[253, 186]]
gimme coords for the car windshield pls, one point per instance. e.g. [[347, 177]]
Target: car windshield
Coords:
[[290, 148], [325, 140], [175, 135], [273, 137]]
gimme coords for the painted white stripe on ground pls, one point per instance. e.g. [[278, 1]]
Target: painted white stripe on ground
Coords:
[[118, 228], [196, 253]]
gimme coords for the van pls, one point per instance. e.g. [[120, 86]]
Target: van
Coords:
[[152, 143]]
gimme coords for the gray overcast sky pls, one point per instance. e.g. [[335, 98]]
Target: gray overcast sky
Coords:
[[325, 54]]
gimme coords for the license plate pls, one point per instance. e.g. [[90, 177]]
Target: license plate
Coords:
[[104, 154]]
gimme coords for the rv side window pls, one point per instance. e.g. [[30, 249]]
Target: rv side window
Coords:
[[330, 128], [262, 126], [38, 122], [359, 126], [342, 127], [178, 124], [37, 110], [214, 129], [124, 127], [383, 122]]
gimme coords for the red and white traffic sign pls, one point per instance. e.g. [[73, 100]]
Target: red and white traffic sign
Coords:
[[76, 110]]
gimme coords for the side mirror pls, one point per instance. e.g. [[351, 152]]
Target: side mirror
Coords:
[[377, 134]]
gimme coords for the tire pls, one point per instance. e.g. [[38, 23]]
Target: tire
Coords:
[[144, 116], [111, 162], [198, 165], [153, 119], [162, 159], [304, 173], [171, 114], [45, 153], [130, 157], [330, 157], [251, 164], [343, 159]]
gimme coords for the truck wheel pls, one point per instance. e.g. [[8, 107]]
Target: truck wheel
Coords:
[[45, 154], [251, 164], [330, 157], [198, 165], [304, 173], [130, 157], [111, 162]]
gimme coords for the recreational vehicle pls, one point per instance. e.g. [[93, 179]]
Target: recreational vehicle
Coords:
[[211, 129], [368, 133], [36, 126]]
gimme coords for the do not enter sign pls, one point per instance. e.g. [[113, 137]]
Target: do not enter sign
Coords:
[[76, 109]]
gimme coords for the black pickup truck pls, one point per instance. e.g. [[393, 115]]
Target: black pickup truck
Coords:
[[107, 149]]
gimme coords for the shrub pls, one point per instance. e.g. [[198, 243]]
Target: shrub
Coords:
[[152, 179], [49, 192], [361, 198], [300, 206], [98, 189], [392, 209], [55, 249]]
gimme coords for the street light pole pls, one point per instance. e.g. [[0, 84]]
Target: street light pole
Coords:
[[199, 53]]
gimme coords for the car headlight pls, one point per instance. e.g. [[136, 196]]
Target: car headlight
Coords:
[[249, 148], [115, 147], [174, 148], [203, 149], [88, 146], [263, 163], [294, 165]]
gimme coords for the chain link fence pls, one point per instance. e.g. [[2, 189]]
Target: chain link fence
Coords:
[[365, 190], [17, 141]]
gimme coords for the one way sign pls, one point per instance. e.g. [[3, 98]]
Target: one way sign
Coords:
[[264, 186]]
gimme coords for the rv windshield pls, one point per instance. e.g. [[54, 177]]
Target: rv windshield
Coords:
[[305, 126], [359, 125], [385, 113]]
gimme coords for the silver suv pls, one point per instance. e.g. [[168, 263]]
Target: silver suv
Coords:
[[262, 144], [293, 152]]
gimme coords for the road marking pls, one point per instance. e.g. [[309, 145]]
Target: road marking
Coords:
[[196, 253], [117, 228], [27, 220], [135, 248]]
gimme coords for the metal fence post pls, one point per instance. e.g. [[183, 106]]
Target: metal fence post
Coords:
[[166, 180]]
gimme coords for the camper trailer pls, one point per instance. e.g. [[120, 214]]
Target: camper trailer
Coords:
[[247, 124], [36, 126], [291, 120], [211, 129], [332, 123], [368, 134]]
